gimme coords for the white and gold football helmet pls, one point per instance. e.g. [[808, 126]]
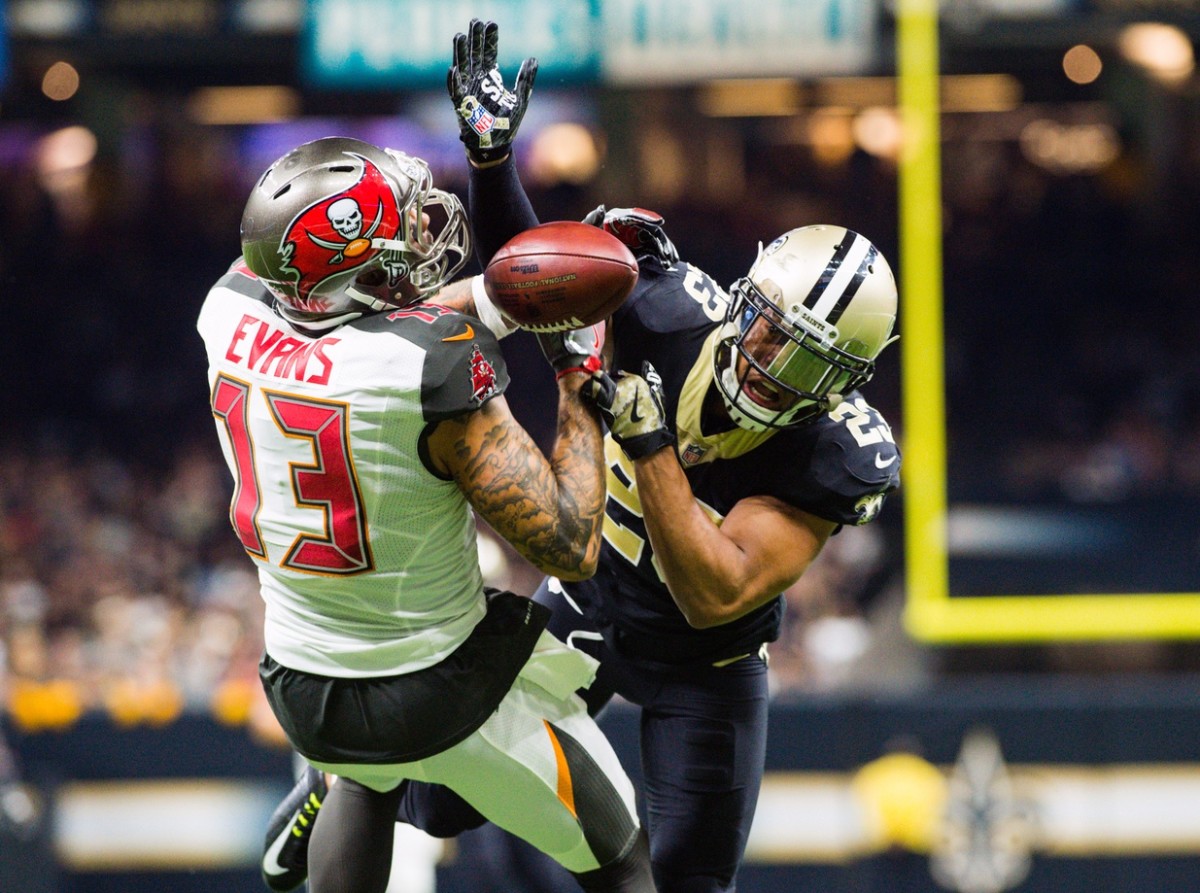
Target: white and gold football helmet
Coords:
[[804, 326]]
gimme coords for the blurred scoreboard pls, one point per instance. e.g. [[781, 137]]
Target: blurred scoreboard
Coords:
[[406, 43]]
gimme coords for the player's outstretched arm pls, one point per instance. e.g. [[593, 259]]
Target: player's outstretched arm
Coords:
[[550, 511], [488, 115]]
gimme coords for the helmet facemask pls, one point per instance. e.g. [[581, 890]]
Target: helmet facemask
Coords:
[[431, 245], [799, 334]]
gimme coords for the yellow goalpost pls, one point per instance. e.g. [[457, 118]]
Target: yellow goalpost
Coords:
[[931, 613]]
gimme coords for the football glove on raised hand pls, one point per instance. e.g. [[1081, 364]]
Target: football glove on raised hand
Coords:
[[640, 230], [488, 113], [632, 406], [576, 350]]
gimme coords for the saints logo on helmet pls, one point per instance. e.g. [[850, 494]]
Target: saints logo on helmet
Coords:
[[338, 225], [804, 326]]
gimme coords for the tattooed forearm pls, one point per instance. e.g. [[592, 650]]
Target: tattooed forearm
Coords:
[[579, 470], [551, 512]]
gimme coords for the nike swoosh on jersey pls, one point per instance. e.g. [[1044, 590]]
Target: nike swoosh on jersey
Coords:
[[466, 335], [880, 462], [270, 862]]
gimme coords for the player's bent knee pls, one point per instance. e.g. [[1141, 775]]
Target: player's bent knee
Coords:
[[628, 873]]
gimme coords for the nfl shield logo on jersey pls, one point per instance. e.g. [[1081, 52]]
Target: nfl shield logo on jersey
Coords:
[[693, 454]]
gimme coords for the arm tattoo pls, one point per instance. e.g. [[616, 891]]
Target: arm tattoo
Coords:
[[457, 296], [551, 512]]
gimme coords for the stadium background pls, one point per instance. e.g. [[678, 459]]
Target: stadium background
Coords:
[[994, 687]]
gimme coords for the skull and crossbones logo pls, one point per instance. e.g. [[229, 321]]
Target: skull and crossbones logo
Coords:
[[346, 218]]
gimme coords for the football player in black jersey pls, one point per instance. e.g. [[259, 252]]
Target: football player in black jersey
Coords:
[[739, 443], [742, 446]]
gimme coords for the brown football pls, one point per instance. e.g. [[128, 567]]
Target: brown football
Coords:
[[561, 275]]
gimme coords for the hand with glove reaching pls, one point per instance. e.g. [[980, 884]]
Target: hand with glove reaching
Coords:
[[577, 350], [488, 113], [632, 406], [640, 230]]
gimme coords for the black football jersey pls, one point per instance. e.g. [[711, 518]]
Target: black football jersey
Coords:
[[839, 466]]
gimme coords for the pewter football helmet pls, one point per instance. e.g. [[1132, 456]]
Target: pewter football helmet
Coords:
[[338, 224], [804, 326]]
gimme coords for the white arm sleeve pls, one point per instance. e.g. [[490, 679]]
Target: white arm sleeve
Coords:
[[489, 314]]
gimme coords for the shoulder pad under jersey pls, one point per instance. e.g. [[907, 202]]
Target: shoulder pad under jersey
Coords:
[[464, 367], [240, 279], [682, 296], [856, 461]]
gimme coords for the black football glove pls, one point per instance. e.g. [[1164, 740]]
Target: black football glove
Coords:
[[632, 405], [488, 113], [640, 230], [576, 350]]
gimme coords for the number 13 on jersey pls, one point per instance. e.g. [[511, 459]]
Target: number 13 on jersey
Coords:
[[327, 485]]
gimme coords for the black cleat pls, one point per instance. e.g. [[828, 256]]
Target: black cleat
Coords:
[[285, 851]]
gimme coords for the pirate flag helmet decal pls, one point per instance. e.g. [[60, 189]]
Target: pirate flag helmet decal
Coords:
[[338, 224]]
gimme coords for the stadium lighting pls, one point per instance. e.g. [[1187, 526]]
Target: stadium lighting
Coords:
[[1082, 64], [1164, 51], [243, 105], [60, 82]]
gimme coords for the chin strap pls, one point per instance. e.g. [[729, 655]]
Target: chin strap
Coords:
[[375, 304]]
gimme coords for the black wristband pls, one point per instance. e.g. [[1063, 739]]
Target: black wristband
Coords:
[[644, 444]]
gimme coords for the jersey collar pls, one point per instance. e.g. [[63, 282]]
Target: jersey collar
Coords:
[[694, 446]]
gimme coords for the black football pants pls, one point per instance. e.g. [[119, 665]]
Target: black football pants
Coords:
[[703, 746]]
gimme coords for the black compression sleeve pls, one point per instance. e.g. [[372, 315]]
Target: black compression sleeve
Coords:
[[351, 848], [498, 206]]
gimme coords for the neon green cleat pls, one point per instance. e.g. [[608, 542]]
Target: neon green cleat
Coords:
[[285, 850]]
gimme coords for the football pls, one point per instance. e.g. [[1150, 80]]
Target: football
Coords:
[[561, 275]]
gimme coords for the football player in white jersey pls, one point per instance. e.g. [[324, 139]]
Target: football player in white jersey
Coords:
[[364, 425]]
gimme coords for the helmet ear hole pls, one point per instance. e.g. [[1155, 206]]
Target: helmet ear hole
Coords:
[[371, 277]]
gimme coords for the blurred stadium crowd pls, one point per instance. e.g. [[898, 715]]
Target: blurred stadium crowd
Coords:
[[120, 592]]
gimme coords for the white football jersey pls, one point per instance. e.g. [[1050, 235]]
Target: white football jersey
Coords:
[[367, 559]]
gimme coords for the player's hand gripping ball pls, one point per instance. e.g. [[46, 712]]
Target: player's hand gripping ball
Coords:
[[561, 275]]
